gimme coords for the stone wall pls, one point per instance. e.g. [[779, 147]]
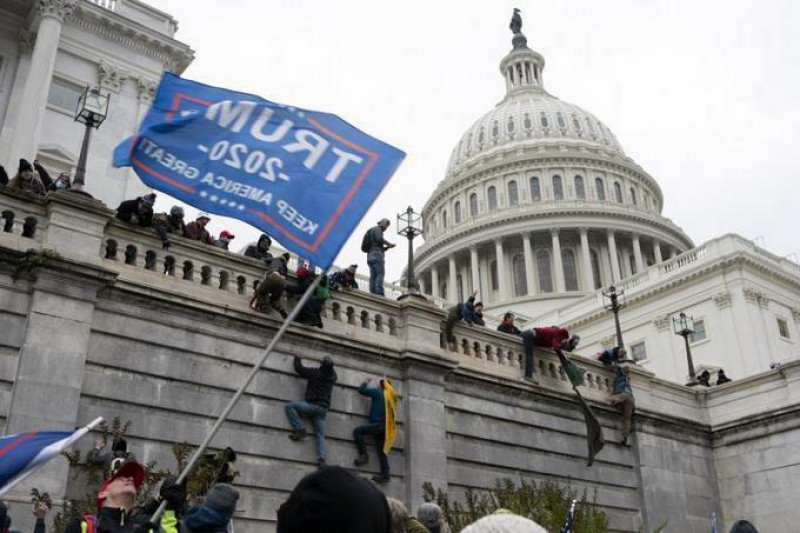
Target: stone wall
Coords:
[[103, 333]]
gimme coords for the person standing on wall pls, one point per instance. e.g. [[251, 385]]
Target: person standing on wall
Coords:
[[375, 246]]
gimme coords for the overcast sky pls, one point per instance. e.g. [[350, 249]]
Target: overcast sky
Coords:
[[702, 94]]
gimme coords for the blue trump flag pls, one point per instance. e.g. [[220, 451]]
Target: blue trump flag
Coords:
[[302, 176]]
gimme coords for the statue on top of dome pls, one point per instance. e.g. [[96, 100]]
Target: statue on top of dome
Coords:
[[516, 22]]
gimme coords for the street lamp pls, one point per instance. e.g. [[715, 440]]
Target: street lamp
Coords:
[[684, 326], [409, 224], [92, 111], [616, 301]]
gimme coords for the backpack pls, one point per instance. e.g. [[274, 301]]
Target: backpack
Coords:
[[366, 242]]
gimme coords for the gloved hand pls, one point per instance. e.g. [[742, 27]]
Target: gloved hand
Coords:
[[173, 493]]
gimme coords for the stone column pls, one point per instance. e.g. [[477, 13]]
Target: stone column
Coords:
[[501, 269], [527, 250], [558, 265], [474, 269], [435, 281], [421, 280], [28, 121], [657, 252], [613, 257], [452, 280], [588, 275], [52, 359], [637, 254]]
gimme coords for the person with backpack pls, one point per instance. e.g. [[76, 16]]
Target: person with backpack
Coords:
[[374, 245]]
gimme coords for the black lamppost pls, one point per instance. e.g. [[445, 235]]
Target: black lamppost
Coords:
[[409, 224], [92, 111], [616, 301], [684, 326]]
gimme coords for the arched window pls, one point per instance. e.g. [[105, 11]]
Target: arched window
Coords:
[[633, 196], [558, 188], [598, 280], [545, 273], [543, 120], [492, 197], [570, 270], [600, 189], [520, 281], [444, 218], [536, 190], [473, 205], [580, 191], [617, 192], [457, 212], [494, 281], [513, 193], [460, 287]]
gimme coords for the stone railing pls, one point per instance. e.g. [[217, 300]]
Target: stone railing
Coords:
[[23, 218]]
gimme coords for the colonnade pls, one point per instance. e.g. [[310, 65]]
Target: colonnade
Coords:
[[546, 262]]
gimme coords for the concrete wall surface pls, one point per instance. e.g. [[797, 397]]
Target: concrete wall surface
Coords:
[[114, 326]]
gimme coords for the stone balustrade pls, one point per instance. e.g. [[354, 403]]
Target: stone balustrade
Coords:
[[23, 217]]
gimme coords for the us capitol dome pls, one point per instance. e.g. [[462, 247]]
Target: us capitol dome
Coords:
[[539, 204]]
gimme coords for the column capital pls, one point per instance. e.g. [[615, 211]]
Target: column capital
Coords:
[[634, 236], [583, 230], [611, 232], [146, 90], [111, 77], [554, 232], [58, 9]]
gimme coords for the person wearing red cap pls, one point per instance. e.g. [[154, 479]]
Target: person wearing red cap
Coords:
[[224, 239], [115, 501]]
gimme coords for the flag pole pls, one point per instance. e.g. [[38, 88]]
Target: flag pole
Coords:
[[70, 440], [233, 401]]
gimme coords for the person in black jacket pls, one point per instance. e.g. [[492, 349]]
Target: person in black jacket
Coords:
[[260, 250], [138, 212], [507, 325], [3, 176], [319, 388]]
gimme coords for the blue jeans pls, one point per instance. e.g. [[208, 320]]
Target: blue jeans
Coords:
[[376, 263], [316, 413], [379, 430]]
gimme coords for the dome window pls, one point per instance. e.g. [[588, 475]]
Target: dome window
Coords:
[[600, 189], [527, 123], [495, 130], [580, 190], [558, 188], [510, 125], [536, 191], [617, 192], [520, 281], [491, 195], [473, 205], [633, 196], [543, 120], [545, 273], [469, 143], [561, 123], [457, 212], [444, 219], [570, 270], [590, 125], [481, 137], [513, 193], [576, 123]]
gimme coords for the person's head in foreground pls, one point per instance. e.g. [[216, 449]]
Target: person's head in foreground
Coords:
[[504, 522]]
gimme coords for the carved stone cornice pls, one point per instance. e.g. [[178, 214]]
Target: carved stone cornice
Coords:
[[723, 299], [661, 322], [146, 90], [59, 9], [754, 296], [111, 77]]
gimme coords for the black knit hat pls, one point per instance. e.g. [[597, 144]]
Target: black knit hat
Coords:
[[335, 501], [24, 165]]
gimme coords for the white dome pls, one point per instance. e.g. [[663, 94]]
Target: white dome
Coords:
[[532, 117]]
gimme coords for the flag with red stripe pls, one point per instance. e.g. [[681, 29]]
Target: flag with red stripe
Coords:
[[22, 452]]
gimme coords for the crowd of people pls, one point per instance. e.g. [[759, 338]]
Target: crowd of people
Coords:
[[34, 179]]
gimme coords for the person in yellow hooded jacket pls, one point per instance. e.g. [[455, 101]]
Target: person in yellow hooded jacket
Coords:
[[382, 425]]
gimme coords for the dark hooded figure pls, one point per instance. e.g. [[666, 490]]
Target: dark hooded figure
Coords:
[[743, 526], [334, 501], [319, 388], [213, 515], [260, 250]]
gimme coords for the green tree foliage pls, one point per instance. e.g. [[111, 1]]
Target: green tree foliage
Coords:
[[546, 503]]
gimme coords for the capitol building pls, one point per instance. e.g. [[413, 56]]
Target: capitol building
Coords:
[[541, 210]]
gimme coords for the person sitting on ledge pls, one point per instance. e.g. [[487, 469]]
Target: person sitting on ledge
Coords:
[[704, 378], [507, 325], [722, 378], [555, 338], [62, 182], [137, 212], [270, 289], [343, 279], [469, 311], [260, 250], [612, 355], [169, 223], [26, 180], [197, 231]]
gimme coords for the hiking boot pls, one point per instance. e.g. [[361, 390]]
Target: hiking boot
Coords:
[[296, 435], [381, 478], [362, 459]]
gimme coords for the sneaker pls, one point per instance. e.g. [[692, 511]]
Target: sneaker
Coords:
[[321, 464], [296, 435], [362, 459], [381, 478]]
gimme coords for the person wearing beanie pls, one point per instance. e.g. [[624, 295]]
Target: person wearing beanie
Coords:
[[504, 522], [319, 389], [555, 338], [431, 516], [170, 223], [332, 500], [214, 514], [137, 212], [343, 279], [375, 246], [26, 180], [270, 290], [743, 526], [225, 239], [260, 250], [197, 231]]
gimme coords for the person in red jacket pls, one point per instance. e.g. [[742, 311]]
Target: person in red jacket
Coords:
[[555, 338]]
